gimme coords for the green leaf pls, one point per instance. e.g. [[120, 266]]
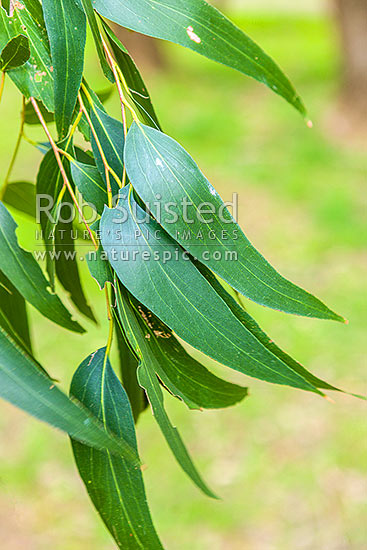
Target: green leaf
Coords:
[[99, 267], [13, 314], [15, 53], [93, 24], [148, 380], [128, 368], [200, 27], [35, 77], [160, 275], [162, 173], [66, 26], [180, 373], [90, 184], [57, 234], [26, 275], [26, 387], [114, 485], [110, 134], [22, 196], [30, 115], [263, 338], [134, 81]]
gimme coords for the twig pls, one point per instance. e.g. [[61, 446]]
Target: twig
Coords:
[[62, 169]]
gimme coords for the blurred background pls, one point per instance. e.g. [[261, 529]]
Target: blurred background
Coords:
[[290, 467]]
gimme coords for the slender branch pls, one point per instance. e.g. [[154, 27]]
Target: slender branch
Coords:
[[110, 321], [16, 150], [117, 75], [2, 83], [62, 170], [107, 167]]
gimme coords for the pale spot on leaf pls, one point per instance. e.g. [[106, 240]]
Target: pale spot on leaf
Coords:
[[192, 35]]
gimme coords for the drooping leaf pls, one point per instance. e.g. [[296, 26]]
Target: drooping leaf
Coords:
[[134, 81], [114, 485], [250, 323], [26, 275], [13, 314], [25, 386], [180, 373], [57, 228], [161, 276], [22, 196], [30, 115], [35, 77], [66, 27], [15, 53], [90, 184], [163, 173], [99, 267], [110, 134], [129, 376], [148, 380], [202, 28], [93, 24]]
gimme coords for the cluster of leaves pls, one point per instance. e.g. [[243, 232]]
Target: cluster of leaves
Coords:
[[149, 301]]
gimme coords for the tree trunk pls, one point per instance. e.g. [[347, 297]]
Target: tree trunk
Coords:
[[352, 17], [144, 50]]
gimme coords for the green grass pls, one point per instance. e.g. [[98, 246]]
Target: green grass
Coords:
[[290, 467]]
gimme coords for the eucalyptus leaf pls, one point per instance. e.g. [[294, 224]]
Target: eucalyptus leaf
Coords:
[[57, 228], [26, 387], [13, 314], [93, 24], [128, 369], [15, 54], [26, 275], [110, 134], [66, 27], [180, 373], [90, 184], [21, 195], [250, 323], [148, 380], [134, 81], [161, 276], [114, 484], [35, 77], [166, 178], [202, 28]]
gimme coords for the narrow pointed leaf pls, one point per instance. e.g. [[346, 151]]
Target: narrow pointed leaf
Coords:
[[93, 24], [90, 184], [202, 28], [26, 387], [162, 172], [26, 275], [110, 134], [149, 381], [66, 27], [255, 329], [180, 373], [134, 81], [128, 368], [161, 276], [21, 195], [99, 267], [57, 233], [35, 77], [114, 485], [13, 314], [15, 54]]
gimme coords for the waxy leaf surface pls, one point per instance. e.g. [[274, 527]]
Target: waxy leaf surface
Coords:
[[164, 174], [114, 484]]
